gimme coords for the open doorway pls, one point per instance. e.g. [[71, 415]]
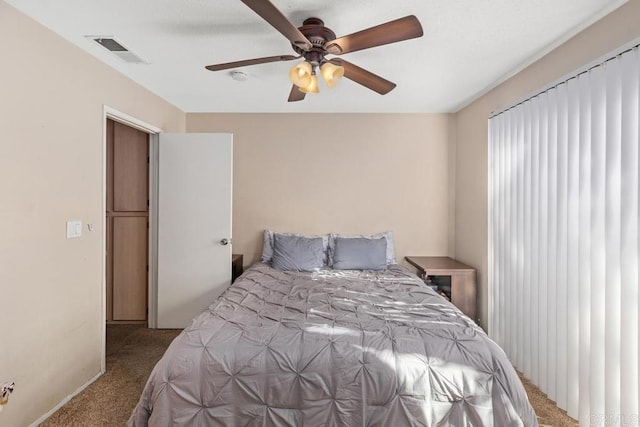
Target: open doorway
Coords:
[[129, 224], [127, 232]]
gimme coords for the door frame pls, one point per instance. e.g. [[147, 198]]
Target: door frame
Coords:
[[153, 131]]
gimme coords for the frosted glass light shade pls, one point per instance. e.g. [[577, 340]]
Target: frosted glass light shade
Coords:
[[312, 87], [331, 73], [300, 75]]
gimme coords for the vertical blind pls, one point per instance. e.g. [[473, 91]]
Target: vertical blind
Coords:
[[564, 240]]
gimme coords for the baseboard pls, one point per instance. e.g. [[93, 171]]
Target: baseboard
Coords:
[[126, 322], [64, 401]]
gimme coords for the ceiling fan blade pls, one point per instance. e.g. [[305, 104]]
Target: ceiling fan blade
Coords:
[[247, 62], [296, 94], [394, 31], [364, 77], [273, 16]]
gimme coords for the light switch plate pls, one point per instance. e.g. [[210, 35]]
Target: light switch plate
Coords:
[[74, 229]]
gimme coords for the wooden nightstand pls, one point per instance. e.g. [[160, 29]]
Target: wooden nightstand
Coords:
[[236, 266], [463, 279]]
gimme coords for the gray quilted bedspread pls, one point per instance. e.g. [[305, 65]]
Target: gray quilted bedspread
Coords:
[[332, 348]]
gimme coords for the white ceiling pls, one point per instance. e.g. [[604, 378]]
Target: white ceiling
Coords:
[[468, 47]]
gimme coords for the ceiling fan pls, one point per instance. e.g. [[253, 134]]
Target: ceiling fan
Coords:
[[313, 42]]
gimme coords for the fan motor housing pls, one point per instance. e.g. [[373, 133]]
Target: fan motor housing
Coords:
[[315, 31]]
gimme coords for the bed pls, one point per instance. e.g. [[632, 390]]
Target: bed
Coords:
[[332, 347]]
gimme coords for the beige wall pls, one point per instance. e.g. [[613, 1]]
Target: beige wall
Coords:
[[51, 101], [614, 30], [348, 173]]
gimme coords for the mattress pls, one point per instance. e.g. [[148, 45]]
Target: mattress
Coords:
[[332, 348]]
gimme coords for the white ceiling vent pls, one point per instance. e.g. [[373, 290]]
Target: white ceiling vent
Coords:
[[118, 49]]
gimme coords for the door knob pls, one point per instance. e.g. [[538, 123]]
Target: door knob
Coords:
[[225, 242]]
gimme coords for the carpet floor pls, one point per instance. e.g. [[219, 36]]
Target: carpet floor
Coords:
[[132, 352]]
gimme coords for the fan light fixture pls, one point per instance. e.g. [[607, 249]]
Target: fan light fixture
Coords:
[[312, 87], [300, 75], [304, 76], [331, 73]]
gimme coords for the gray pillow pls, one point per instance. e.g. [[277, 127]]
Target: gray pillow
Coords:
[[388, 235], [267, 244], [297, 253], [359, 253]]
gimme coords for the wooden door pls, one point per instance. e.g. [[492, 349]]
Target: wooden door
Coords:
[[127, 222]]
